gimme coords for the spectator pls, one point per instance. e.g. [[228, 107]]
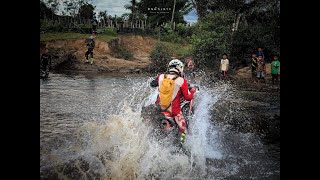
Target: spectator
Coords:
[[261, 69], [224, 66], [275, 69], [260, 53], [254, 65]]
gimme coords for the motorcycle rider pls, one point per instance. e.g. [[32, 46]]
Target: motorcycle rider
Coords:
[[181, 88]]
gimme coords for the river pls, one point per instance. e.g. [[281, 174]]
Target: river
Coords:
[[91, 128]]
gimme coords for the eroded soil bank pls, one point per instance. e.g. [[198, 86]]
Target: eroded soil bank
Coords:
[[70, 54]]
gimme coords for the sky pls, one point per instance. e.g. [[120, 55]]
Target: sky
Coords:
[[116, 7]]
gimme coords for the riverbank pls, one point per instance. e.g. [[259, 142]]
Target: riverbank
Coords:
[[121, 53], [69, 54]]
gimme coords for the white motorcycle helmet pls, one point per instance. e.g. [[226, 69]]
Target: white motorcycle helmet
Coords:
[[176, 66]]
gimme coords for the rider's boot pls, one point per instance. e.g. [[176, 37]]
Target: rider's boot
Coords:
[[182, 138]]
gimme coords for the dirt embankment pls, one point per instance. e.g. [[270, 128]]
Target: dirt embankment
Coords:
[[70, 54]]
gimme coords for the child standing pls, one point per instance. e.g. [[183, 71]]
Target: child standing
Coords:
[[224, 66], [261, 69], [275, 69], [254, 65]]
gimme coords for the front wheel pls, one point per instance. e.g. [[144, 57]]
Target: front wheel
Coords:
[[166, 122]]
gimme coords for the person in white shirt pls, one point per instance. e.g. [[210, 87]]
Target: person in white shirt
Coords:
[[224, 66]]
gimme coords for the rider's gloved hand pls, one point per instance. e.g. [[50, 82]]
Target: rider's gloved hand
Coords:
[[192, 90]]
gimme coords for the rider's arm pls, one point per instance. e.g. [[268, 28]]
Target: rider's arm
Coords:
[[154, 83], [187, 95]]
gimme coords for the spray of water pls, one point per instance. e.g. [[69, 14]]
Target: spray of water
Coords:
[[121, 147], [134, 154], [202, 132], [110, 140]]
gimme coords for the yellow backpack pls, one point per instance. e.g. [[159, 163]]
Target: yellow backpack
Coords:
[[166, 91]]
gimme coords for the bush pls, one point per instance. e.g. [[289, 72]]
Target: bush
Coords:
[[172, 37], [54, 26], [159, 57], [50, 26], [119, 51], [181, 30], [179, 35], [108, 31]]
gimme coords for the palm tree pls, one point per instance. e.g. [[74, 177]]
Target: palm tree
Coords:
[[133, 8], [103, 16], [126, 17], [173, 9]]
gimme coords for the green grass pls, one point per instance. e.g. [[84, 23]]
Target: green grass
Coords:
[[64, 36], [106, 38], [177, 48]]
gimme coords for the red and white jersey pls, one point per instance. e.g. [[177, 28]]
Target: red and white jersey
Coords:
[[180, 87]]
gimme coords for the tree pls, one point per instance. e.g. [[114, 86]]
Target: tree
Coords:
[[247, 24], [73, 6], [103, 17], [181, 7], [133, 7], [211, 37], [86, 11], [67, 7], [201, 7], [54, 5], [263, 29], [173, 9], [44, 11]]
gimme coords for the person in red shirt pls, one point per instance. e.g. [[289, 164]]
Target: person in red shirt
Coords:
[[181, 89]]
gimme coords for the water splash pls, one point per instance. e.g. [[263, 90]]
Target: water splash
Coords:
[[201, 140], [121, 146]]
